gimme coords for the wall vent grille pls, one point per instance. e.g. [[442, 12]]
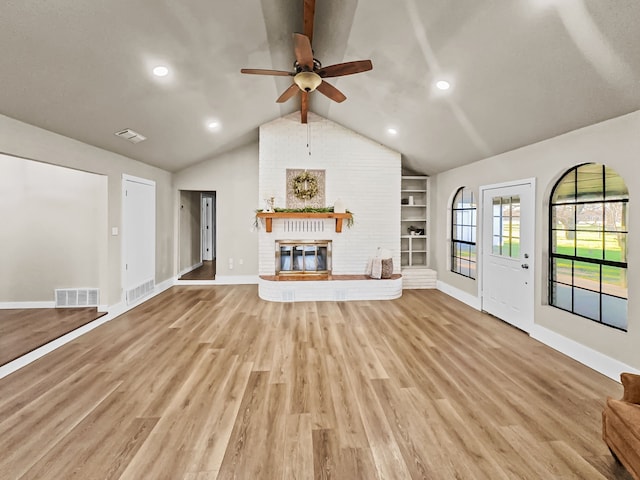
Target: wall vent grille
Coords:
[[288, 296], [77, 297], [142, 290], [130, 135], [305, 225]]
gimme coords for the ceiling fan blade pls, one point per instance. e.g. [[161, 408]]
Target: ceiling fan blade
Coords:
[[302, 47], [309, 12], [348, 68], [332, 92], [260, 71], [288, 93], [304, 107]]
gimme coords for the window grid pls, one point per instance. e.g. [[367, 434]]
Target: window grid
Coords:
[[595, 285], [463, 233]]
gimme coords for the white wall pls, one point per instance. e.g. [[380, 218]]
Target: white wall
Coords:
[[189, 235], [361, 172], [615, 143], [24, 140], [234, 178], [54, 229]]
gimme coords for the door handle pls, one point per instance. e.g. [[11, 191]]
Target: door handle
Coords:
[[525, 266]]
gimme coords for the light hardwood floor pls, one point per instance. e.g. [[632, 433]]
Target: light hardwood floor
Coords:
[[205, 272], [205, 383], [23, 330]]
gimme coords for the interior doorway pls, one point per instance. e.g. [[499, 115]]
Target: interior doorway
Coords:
[[197, 235]]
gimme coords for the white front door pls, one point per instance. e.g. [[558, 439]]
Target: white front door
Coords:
[[507, 252]]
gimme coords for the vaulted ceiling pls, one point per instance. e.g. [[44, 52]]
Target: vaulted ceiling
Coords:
[[520, 71]]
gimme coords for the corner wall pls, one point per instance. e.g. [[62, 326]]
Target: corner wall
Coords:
[[54, 226], [234, 178], [23, 140], [615, 143]]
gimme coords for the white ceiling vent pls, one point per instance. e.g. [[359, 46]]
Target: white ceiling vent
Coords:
[[128, 134]]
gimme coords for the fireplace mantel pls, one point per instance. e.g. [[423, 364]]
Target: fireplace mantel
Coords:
[[269, 216]]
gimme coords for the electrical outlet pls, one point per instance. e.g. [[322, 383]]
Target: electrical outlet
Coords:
[[241, 261], [231, 264]]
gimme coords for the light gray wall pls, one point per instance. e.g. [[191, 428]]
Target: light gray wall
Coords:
[[54, 226], [234, 178], [24, 140], [615, 143], [189, 239]]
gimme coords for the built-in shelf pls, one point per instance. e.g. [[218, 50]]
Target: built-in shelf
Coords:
[[414, 214], [269, 216]]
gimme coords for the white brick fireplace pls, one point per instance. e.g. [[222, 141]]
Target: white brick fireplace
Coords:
[[363, 174]]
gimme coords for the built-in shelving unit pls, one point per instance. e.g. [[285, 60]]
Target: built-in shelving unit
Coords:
[[414, 244]]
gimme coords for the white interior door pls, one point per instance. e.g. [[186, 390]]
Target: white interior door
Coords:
[[206, 226], [138, 236], [507, 252]]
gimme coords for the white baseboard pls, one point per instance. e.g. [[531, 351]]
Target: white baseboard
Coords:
[[222, 280], [184, 271], [599, 362], [593, 359], [113, 311], [464, 297], [12, 305]]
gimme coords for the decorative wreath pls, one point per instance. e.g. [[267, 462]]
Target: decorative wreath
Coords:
[[305, 186]]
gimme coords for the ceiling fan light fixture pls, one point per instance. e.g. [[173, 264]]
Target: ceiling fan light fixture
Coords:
[[307, 81]]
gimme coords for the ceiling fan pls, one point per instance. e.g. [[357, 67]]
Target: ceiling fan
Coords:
[[308, 73]]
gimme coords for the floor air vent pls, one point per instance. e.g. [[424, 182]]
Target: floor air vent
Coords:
[[140, 291], [77, 297]]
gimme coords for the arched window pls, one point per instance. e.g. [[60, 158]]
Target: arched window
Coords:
[[463, 233], [588, 244]]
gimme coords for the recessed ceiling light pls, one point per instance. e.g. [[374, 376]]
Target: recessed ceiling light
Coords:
[[213, 125], [443, 85], [392, 131], [160, 71]]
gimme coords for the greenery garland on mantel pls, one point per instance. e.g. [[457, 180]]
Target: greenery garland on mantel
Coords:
[[349, 221]]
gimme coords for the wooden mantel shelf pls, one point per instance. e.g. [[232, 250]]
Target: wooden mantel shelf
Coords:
[[269, 216]]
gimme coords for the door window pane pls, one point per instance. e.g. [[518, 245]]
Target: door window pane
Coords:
[[506, 226]]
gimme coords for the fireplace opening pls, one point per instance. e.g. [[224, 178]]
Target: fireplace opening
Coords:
[[299, 257]]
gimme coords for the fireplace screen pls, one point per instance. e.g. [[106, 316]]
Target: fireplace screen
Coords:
[[303, 256]]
